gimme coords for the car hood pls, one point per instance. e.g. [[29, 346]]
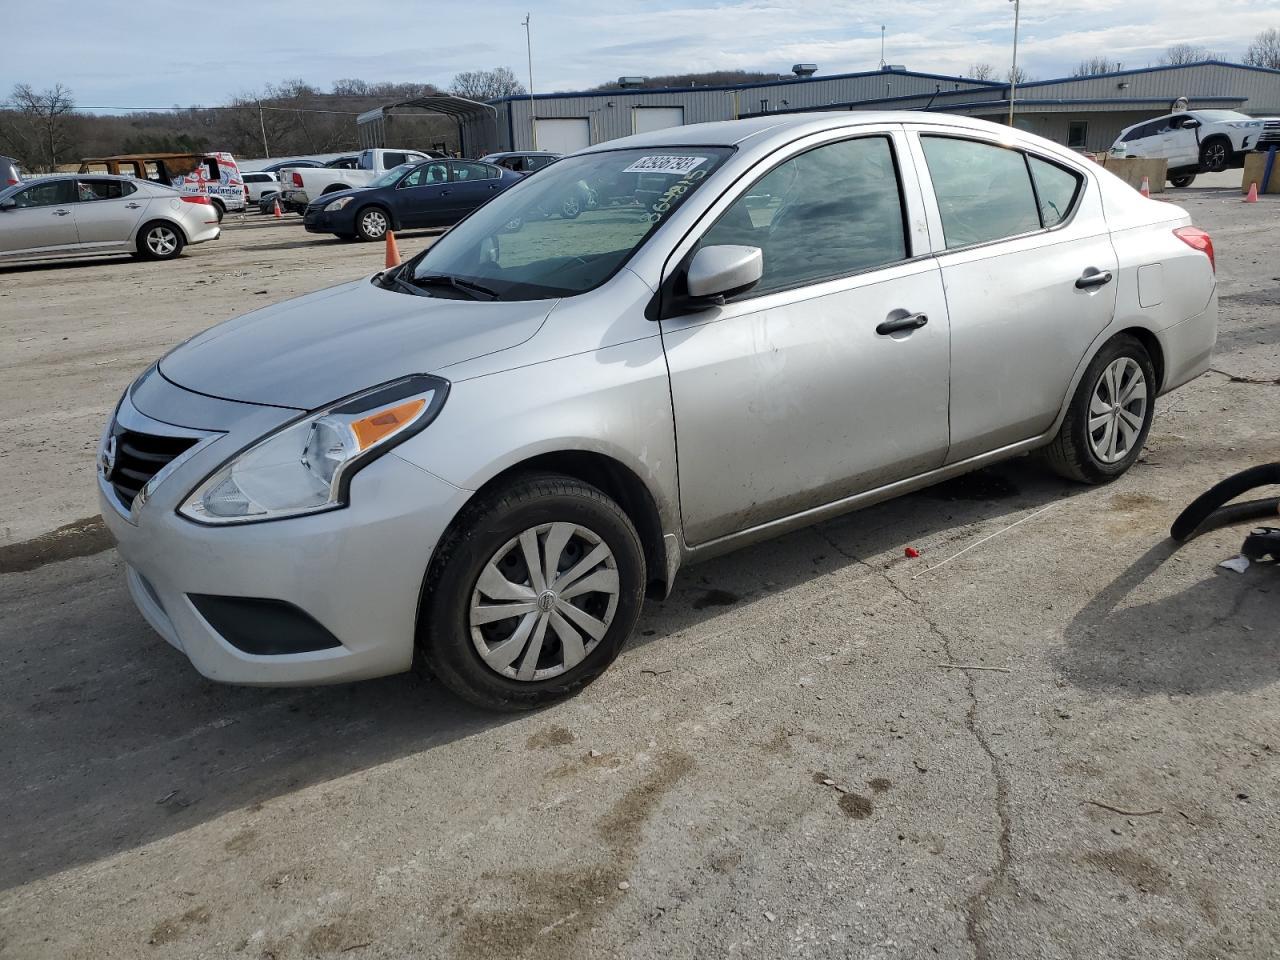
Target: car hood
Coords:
[[307, 352]]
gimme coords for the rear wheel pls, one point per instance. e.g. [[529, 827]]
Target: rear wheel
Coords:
[[159, 241], [372, 223], [1183, 181], [532, 593], [218, 206], [1109, 416]]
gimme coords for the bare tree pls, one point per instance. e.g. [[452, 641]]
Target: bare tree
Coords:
[[981, 71], [38, 127], [486, 84], [1265, 50], [1181, 54], [1019, 76], [1096, 65]]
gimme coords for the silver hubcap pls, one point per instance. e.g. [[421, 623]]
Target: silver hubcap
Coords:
[[375, 224], [1117, 410], [571, 207], [162, 241], [544, 601]]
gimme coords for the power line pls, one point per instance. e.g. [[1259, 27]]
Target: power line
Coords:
[[246, 106]]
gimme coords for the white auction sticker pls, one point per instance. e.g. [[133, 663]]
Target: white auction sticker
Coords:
[[678, 166]]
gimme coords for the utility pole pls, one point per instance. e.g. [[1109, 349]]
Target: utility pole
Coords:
[[882, 60], [262, 124], [1013, 70], [528, 45]]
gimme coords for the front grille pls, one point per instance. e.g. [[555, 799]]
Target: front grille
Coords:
[[1270, 135], [139, 457]]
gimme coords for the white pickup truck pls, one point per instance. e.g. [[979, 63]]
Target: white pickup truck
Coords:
[[301, 185]]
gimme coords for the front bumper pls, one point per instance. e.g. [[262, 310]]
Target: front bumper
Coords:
[[318, 220], [357, 571]]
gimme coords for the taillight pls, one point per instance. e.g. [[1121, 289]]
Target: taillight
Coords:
[[296, 177], [195, 198], [12, 182], [1197, 239]]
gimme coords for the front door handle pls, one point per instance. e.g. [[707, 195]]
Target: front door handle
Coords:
[[444, 193], [1098, 278], [912, 321], [61, 213], [133, 206]]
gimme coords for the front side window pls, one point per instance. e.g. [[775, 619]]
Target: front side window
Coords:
[[829, 212], [570, 228], [1056, 189], [984, 190], [425, 175], [48, 194]]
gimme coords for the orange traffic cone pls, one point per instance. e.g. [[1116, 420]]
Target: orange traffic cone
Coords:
[[275, 210], [393, 252], [1145, 189], [1253, 193]]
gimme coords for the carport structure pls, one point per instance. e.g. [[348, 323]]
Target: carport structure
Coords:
[[476, 122]]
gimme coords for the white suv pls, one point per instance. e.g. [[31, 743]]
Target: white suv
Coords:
[[1193, 141]]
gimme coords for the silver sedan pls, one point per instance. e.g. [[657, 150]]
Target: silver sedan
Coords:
[[484, 459], [88, 215]]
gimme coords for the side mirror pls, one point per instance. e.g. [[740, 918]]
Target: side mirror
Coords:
[[8, 203], [722, 271], [1190, 123]]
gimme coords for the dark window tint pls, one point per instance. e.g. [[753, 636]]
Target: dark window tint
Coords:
[[103, 189], [1077, 134], [536, 163], [390, 160], [984, 191], [474, 171], [47, 194], [211, 168], [829, 212], [426, 174], [1056, 189], [257, 178]]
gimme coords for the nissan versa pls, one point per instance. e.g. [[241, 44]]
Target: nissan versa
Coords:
[[484, 458]]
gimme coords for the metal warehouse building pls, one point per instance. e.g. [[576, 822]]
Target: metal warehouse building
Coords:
[[1086, 113]]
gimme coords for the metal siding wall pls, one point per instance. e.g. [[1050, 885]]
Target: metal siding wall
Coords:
[[1261, 89]]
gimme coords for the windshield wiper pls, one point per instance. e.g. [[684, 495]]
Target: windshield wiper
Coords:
[[476, 291]]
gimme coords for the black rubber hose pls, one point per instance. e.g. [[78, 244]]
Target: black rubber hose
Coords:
[[1204, 514]]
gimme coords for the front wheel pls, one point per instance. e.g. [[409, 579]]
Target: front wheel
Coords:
[[159, 241], [532, 594], [1184, 181], [1109, 416], [1215, 155], [372, 223]]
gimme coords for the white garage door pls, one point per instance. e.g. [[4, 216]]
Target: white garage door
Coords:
[[644, 119], [563, 135]]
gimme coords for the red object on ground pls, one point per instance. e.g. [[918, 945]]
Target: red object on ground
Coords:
[[911, 552]]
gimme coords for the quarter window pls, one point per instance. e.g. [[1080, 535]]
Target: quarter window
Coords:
[[832, 211], [984, 191], [1056, 189]]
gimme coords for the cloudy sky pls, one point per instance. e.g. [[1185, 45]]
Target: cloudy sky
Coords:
[[203, 53]]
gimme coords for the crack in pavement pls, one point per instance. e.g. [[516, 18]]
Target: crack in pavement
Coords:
[[978, 906]]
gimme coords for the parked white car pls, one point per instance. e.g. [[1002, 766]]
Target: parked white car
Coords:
[[304, 184], [256, 184], [77, 215], [1194, 141]]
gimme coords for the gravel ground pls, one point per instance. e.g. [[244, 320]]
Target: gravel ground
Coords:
[[787, 761]]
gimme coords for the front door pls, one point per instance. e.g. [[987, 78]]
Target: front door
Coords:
[[1029, 269], [796, 393], [1182, 146], [41, 221], [107, 211], [422, 197]]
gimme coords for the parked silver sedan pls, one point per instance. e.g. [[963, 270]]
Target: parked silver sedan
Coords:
[[485, 458], [86, 215]]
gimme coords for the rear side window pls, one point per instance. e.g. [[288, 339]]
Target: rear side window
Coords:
[[832, 211], [474, 171], [984, 191], [103, 189], [390, 160], [1056, 189], [535, 163]]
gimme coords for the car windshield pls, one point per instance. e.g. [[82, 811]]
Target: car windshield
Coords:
[[392, 175], [1221, 116], [570, 228]]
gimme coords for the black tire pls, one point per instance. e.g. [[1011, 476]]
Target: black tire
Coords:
[[159, 240], [444, 633], [571, 207], [1183, 181], [1071, 453], [217, 206], [367, 221], [1215, 154], [346, 237]]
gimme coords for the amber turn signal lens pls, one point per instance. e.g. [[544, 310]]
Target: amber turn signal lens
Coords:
[[369, 430]]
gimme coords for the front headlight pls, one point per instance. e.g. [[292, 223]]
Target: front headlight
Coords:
[[337, 204], [306, 466]]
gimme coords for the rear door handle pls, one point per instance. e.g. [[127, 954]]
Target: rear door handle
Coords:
[[61, 213], [133, 206], [1094, 279], [913, 321]]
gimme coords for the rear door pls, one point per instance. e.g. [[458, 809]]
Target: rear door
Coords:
[[795, 393], [107, 211], [1028, 266], [471, 184], [422, 197], [42, 219]]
